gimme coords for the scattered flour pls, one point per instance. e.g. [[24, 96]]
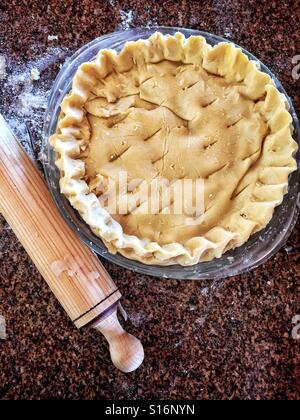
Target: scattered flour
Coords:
[[2, 67], [199, 322], [35, 74], [288, 249], [25, 96], [52, 37], [52, 56], [138, 318], [228, 34], [151, 22], [126, 19], [29, 102]]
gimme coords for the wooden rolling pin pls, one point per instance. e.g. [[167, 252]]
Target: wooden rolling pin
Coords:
[[72, 271]]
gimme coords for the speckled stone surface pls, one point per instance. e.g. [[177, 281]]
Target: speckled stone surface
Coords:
[[228, 339]]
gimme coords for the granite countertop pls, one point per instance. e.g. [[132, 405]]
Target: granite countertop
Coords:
[[227, 339]]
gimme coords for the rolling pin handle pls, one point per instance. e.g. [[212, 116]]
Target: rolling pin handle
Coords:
[[126, 351]]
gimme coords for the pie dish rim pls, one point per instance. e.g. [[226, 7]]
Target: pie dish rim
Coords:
[[110, 256]]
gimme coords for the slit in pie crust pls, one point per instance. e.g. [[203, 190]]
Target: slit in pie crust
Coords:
[[175, 108]]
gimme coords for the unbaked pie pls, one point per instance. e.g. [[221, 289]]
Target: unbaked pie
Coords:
[[170, 109]]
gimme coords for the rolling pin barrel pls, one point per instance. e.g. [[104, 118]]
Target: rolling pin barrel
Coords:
[[72, 271]]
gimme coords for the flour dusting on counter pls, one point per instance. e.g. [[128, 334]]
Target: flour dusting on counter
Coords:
[[151, 22], [2, 67], [138, 318], [35, 74], [126, 19], [26, 94], [52, 37]]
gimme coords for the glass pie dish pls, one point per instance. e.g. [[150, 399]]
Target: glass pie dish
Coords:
[[255, 251]]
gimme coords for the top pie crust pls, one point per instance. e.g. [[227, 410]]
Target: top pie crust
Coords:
[[176, 108]]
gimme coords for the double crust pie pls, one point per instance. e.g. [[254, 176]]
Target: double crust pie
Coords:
[[173, 108]]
